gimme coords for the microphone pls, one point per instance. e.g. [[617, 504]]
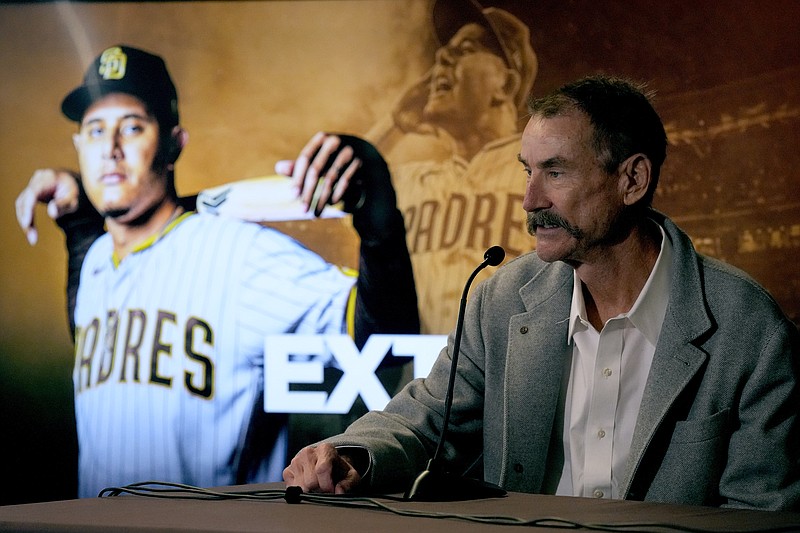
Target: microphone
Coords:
[[435, 484]]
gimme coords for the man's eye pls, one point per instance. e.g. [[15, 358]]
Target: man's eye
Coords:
[[467, 47], [94, 131], [131, 129], [555, 174], [463, 48]]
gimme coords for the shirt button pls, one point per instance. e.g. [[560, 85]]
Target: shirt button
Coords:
[[518, 468], [607, 372], [601, 434], [523, 330], [597, 493]]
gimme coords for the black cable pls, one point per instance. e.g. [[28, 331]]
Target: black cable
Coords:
[[295, 495], [180, 490]]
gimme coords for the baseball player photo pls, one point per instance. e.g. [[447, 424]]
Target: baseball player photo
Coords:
[[172, 306]]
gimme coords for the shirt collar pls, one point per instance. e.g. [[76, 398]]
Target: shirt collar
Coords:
[[648, 311], [177, 217]]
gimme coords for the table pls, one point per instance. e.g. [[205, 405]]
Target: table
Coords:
[[140, 513]]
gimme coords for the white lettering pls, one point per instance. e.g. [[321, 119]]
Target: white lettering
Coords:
[[301, 359], [280, 371]]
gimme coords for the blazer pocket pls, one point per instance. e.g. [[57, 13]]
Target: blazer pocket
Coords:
[[691, 467], [703, 429]]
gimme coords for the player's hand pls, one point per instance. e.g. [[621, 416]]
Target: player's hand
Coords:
[[321, 469], [322, 171], [408, 112], [57, 188], [364, 184]]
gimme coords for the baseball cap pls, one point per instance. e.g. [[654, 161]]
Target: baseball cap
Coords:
[[124, 69], [512, 35]]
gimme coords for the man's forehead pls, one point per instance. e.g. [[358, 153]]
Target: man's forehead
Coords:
[[116, 104], [570, 122], [544, 135]]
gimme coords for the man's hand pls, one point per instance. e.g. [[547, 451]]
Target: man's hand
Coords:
[[340, 167], [409, 111], [321, 173], [57, 188], [321, 469]]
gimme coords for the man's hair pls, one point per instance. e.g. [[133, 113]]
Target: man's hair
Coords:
[[165, 155], [622, 116]]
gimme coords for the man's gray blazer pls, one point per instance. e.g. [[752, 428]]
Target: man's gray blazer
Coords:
[[718, 423]]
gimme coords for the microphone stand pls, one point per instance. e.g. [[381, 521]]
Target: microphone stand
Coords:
[[435, 484]]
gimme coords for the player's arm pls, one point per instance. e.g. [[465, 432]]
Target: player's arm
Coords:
[[407, 116], [333, 168], [386, 300], [67, 204]]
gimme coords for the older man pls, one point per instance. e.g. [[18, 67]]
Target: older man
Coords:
[[613, 362]]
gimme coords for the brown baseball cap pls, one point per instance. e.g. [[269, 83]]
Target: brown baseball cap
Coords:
[[125, 69], [512, 35]]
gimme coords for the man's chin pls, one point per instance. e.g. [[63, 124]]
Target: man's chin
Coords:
[[115, 213], [437, 109], [548, 250], [548, 256]]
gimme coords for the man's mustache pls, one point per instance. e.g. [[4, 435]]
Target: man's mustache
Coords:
[[548, 218]]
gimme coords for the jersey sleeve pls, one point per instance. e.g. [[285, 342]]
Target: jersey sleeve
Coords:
[[81, 229], [286, 288]]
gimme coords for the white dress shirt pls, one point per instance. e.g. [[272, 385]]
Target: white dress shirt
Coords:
[[607, 380]]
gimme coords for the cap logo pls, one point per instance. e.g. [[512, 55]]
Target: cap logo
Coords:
[[112, 64]]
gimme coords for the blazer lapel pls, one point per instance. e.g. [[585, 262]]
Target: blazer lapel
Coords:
[[676, 359], [674, 365]]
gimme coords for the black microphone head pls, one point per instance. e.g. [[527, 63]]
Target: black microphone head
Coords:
[[494, 255]]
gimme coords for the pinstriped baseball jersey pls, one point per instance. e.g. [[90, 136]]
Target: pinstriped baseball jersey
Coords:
[[454, 210], [169, 348]]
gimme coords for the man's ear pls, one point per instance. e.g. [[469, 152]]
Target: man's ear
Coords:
[[76, 140], [507, 92], [635, 174], [178, 139]]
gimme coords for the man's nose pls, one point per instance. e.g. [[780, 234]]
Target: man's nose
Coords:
[[444, 56], [113, 148], [534, 198]]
